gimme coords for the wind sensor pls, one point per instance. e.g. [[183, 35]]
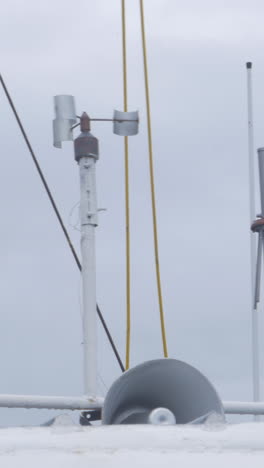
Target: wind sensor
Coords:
[[86, 151], [258, 227], [124, 123]]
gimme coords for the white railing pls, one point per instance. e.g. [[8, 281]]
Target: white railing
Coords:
[[50, 402]]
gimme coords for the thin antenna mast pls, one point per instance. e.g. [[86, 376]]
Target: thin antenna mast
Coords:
[[251, 156]]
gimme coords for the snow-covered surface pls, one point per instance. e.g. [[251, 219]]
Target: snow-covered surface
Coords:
[[58, 446]]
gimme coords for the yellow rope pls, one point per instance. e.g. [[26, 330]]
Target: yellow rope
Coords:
[[151, 170], [126, 192]]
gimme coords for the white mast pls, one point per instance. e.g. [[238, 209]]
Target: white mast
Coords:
[[86, 154]]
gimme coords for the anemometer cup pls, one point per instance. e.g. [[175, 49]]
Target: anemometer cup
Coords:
[[64, 107], [62, 131], [125, 123], [65, 118]]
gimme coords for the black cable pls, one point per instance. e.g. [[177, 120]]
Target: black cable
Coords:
[[54, 206]]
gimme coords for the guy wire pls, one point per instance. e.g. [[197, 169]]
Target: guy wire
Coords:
[[59, 218]]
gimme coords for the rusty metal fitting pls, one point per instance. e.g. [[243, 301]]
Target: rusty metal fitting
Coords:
[[85, 145], [85, 122], [258, 225]]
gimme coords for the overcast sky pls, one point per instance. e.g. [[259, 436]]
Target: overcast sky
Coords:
[[196, 52]]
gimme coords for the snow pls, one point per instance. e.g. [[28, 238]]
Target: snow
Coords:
[[133, 446]]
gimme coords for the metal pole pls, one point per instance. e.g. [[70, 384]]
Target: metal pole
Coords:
[[50, 402], [258, 270], [251, 155], [244, 407], [86, 153], [261, 178], [88, 213]]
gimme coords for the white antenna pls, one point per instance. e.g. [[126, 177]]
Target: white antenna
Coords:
[[251, 156]]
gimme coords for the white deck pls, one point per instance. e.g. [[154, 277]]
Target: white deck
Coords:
[[133, 446]]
